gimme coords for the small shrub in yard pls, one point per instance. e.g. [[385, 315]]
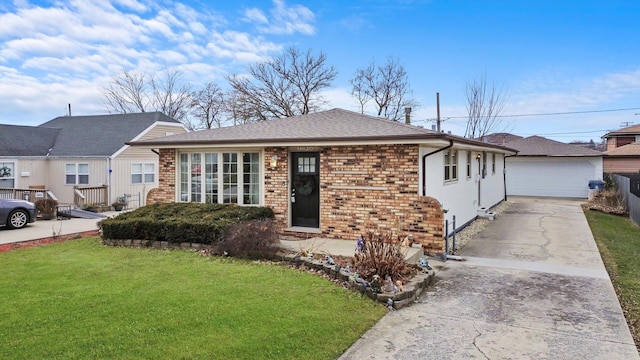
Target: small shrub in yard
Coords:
[[253, 239], [382, 256], [180, 222]]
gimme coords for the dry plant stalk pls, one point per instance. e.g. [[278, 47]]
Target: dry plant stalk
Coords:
[[382, 255]]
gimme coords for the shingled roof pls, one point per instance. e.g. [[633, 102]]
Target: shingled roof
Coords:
[[540, 146], [631, 130], [99, 135], [335, 125], [16, 140], [632, 149], [94, 135]]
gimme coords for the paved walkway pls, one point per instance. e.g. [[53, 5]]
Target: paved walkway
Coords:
[[533, 286]]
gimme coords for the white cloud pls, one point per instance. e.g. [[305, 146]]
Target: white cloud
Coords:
[[256, 15], [284, 20], [65, 50]]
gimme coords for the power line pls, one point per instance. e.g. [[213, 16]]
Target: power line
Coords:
[[538, 114]]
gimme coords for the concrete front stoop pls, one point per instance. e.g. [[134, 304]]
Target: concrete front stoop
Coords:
[[347, 248]]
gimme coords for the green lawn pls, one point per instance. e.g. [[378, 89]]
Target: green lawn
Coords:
[[80, 299], [618, 240]]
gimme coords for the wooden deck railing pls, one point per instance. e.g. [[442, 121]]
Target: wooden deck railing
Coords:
[[26, 194], [97, 195]]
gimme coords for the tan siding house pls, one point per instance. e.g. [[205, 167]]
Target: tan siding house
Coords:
[[623, 160], [86, 151]]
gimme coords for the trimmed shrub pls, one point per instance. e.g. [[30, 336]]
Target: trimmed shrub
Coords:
[[252, 239], [180, 222]]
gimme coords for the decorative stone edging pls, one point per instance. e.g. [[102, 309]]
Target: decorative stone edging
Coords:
[[411, 290]]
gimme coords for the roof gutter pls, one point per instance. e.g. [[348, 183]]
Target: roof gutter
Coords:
[[424, 165]]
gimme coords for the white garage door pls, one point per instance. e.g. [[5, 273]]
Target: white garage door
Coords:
[[563, 177]]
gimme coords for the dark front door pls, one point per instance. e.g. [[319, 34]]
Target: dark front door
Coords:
[[305, 189]]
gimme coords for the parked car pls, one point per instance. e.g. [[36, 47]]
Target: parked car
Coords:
[[16, 214]]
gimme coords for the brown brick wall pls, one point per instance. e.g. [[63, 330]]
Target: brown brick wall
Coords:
[[167, 175], [375, 188], [363, 188], [276, 184]]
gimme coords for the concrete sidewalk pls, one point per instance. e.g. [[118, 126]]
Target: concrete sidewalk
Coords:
[[48, 229], [533, 286]]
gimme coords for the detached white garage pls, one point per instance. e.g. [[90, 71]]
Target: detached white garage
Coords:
[[550, 168]]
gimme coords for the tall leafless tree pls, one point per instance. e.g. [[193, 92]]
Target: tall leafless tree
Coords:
[[484, 105], [208, 106], [386, 85], [285, 86], [134, 91]]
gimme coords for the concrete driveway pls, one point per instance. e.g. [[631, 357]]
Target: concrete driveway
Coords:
[[533, 286]]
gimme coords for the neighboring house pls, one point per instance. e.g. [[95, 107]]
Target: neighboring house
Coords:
[[545, 167], [622, 137], [336, 174], [623, 160], [499, 138], [84, 151]]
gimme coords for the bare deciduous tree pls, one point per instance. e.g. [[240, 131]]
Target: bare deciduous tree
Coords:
[[387, 85], [134, 91], [208, 106], [127, 93], [285, 86], [483, 106]]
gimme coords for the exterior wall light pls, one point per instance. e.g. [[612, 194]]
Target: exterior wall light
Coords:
[[274, 161]]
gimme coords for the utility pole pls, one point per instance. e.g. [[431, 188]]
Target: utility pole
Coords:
[[438, 110]]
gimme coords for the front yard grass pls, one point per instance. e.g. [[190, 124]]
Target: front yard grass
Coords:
[[80, 299], [618, 240]]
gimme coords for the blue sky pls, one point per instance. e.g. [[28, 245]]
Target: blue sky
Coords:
[[548, 56]]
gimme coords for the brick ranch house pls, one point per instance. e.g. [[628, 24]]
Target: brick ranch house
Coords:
[[336, 174]]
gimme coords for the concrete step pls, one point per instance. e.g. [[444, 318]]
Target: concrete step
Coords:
[[334, 247]]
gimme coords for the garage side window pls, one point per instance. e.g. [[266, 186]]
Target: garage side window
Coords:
[[468, 164], [76, 174], [7, 175]]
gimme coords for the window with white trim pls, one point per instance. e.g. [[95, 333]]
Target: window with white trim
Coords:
[[493, 163], [451, 165], [76, 174], [220, 177], [143, 173], [468, 164], [7, 175]]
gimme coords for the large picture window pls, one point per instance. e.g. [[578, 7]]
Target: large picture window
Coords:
[[220, 177], [143, 173], [76, 174], [451, 165], [7, 175]]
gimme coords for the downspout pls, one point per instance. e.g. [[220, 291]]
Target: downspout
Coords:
[[424, 166], [109, 179]]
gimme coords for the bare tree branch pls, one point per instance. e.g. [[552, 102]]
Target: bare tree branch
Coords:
[[208, 106], [483, 106], [285, 86], [387, 86], [134, 91]]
